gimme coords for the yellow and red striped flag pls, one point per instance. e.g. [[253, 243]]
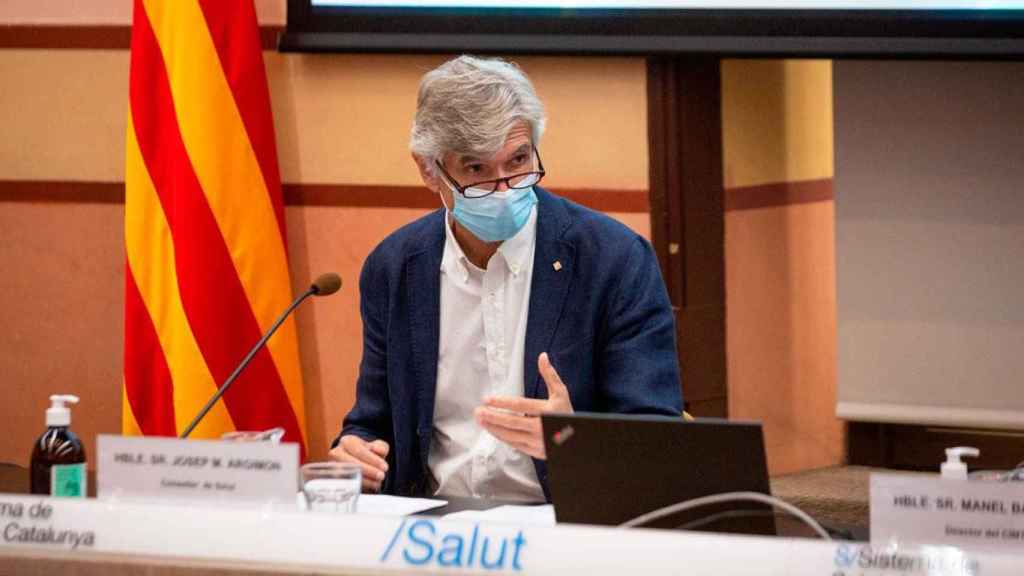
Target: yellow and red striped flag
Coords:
[[207, 265]]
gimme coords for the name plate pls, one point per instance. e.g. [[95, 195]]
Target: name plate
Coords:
[[275, 540], [907, 509], [170, 469]]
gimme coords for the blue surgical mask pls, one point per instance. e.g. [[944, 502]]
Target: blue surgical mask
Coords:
[[495, 217]]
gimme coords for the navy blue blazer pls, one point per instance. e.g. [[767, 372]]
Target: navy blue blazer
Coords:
[[603, 316]]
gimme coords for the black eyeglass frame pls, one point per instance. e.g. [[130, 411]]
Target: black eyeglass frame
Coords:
[[495, 181]]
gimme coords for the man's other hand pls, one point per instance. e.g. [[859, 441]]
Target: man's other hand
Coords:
[[371, 456], [516, 421]]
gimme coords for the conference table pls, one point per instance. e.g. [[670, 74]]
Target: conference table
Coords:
[[836, 496], [15, 480], [851, 521]]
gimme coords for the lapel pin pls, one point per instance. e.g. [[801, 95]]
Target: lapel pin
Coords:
[[557, 265]]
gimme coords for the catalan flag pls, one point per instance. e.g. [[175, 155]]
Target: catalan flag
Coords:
[[207, 265]]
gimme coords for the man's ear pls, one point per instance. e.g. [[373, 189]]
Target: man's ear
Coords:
[[428, 173]]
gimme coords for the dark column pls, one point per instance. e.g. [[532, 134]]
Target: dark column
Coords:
[[688, 217]]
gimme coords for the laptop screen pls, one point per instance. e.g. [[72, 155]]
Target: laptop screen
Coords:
[[608, 469]]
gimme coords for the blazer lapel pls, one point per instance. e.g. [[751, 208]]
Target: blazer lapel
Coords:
[[423, 290], [553, 265]]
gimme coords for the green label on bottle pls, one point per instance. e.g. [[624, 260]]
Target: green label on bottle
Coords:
[[67, 480]]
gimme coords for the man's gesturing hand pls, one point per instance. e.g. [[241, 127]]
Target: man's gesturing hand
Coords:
[[369, 455], [516, 421]]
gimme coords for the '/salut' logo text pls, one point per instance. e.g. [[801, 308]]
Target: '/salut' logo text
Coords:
[[423, 542]]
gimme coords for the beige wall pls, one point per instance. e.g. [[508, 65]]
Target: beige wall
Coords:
[[780, 261], [776, 121], [344, 120], [339, 118]]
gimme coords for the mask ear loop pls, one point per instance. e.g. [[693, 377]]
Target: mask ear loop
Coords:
[[449, 214], [453, 190], [443, 203]]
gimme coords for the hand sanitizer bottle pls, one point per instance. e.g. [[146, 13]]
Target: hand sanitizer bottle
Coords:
[[954, 468], [58, 459]]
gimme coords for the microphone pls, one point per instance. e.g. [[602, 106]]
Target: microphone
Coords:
[[324, 285]]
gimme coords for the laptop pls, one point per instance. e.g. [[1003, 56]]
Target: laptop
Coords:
[[611, 468]]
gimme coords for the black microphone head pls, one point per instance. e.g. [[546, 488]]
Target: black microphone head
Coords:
[[326, 284]]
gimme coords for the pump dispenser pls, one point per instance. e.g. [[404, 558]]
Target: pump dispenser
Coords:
[[954, 468], [58, 459]]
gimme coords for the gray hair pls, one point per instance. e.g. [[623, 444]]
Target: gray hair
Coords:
[[469, 105]]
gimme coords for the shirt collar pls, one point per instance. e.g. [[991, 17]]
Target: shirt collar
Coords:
[[518, 250], [454, 262], [514, 252]]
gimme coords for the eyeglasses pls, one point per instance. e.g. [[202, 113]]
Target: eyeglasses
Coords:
[[488, 187]]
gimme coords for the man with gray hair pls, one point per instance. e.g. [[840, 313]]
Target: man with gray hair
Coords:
[[506, 303]]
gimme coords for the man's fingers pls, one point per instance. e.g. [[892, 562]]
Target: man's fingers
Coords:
[[370, 485], [372, 476], [516, 404], [338, 454], [380, 448], [530, 449], [363, 453], [521, 432], [506, 420], [360, 452], [509, 435], [529, 443], [556, 388], [514, 437]]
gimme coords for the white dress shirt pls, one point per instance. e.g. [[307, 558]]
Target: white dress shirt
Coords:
[[481, 347]]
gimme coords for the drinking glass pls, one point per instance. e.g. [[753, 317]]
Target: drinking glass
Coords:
[[331, 486], [272, 435]]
